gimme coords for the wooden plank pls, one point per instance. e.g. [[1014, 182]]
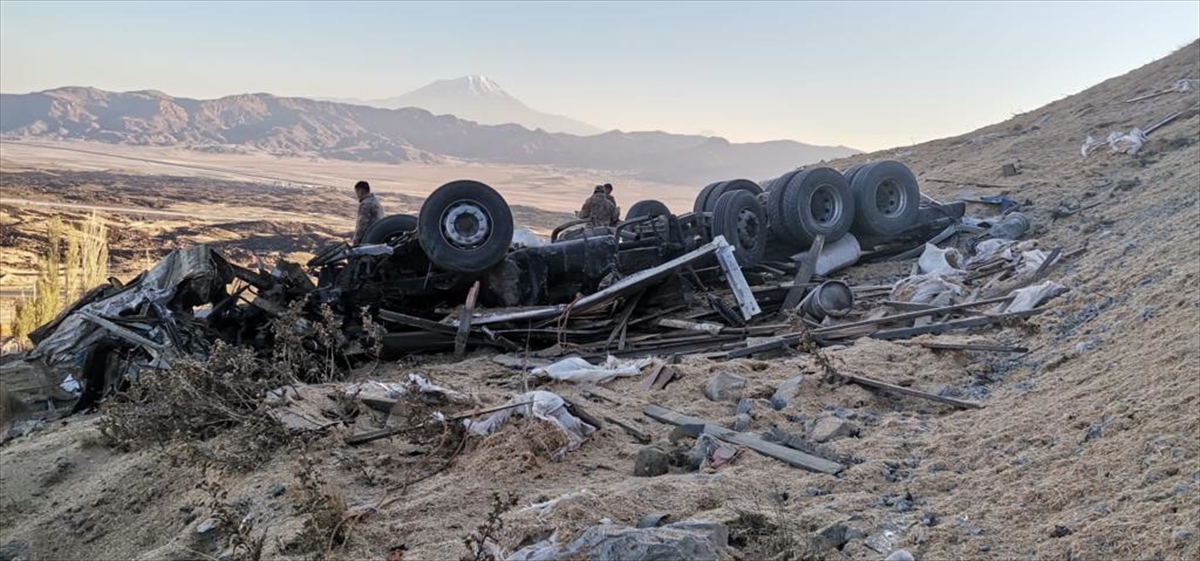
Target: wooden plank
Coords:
[[419, 323], [664, 378], [965, 346], [784, 454], [636, 433], [807, 269], [910, 392], [363, 438], [952, 325], [464, 321], [623, 321], [576, 409], [910, 315], [652, 377]]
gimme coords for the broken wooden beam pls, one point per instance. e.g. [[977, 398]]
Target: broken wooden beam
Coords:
[[807, 269], [784, 454], [909, 391], [638, 434], [965, 346], [416, 322], [910, 315], [943, 327], [363, 438], [464, 321]]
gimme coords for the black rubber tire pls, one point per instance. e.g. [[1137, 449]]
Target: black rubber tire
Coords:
[[459, 258], [775, 219], [728, 187], [388, 227], [850, 173], [702, 197], [728, 212], [816, 202], [647, 208], [887, 199]]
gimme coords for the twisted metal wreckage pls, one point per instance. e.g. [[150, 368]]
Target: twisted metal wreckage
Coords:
[[718, 281]]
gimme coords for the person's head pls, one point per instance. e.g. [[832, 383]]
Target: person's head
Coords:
[[361, 189], [608, 188], [598, 190]]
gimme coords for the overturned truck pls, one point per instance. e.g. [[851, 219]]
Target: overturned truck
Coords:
[[716, 272]]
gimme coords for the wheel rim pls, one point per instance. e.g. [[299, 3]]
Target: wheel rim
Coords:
[[748, 228], [890, 199], [466, 224], [825, 205]]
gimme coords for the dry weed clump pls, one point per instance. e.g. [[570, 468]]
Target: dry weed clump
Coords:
[[327, 524], [241, 539]]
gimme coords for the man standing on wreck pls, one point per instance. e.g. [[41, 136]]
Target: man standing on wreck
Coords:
[[369, 210]]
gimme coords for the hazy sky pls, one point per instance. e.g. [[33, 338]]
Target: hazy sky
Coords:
[[867, 75]]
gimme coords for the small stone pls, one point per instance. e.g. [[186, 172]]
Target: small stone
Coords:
[[651, 462], [786, 392], [1182, 535], [741, 423], [745, 406], [1060, 532], [903, 505], [778, 496], [834, 535], [277, 491], [831, 428], [813, 492], [207, 526], [14, 551], [929, 518], [653, 520], [900, 555], [724, 386]]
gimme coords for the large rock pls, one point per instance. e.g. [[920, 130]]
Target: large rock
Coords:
[[688, 540], [832, 428], [724, 386], [901, 555], [651, 462]]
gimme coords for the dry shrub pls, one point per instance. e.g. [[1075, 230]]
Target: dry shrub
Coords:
[[521, 445], [326, 526], [194, 401], [304, 349], [481, 544], [243, 542]]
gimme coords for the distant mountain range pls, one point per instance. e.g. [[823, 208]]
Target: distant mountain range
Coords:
[[306, 127], [479, 99]]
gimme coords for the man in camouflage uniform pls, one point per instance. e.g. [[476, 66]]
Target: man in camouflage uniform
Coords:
[[598, 209], [369, 210], [608, 189]]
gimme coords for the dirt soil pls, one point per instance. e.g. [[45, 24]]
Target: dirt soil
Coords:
[[1088, 446]]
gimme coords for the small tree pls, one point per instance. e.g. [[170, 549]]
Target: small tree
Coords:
[[93, 253]]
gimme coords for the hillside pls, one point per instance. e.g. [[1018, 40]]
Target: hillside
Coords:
[[1088, 445], [303, 127]]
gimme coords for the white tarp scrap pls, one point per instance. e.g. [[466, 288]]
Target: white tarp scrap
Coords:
[[546, 406], [932, 289], [1031, 297], [524, 237], [576, 369], [543, 509], [1129, 143], [942, 262], [397, 390], [1031, 261]]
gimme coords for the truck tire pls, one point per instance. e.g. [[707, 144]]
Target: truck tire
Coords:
[[887, 199], [775, 218], [728, 187], [387, 228], [818, 202], [465, 227], [849, 173], [702, 197], [739, 217], [647, 208]]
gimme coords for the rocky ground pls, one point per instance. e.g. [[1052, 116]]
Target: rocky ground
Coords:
[[1088, 446]]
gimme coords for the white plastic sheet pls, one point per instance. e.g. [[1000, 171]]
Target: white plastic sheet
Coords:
[[547, 406], [1130, 143], [942, 262], [932, 289], [576, 369], [524, 237], [1031, 297]]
